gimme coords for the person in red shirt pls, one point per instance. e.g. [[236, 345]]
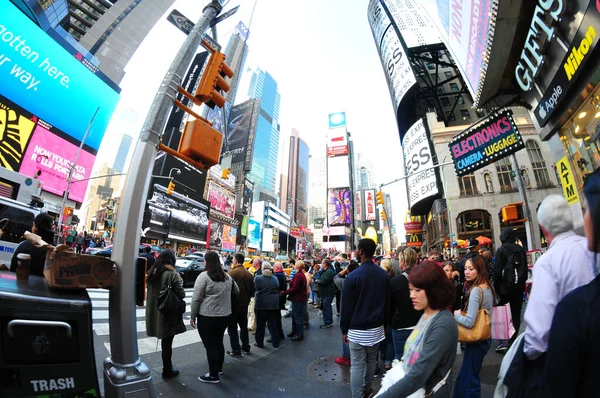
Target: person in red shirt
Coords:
[[297, 295]]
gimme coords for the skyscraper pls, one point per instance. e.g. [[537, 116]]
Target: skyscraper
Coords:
[[317, 186], [235, 54], [294, 187], [263, 171], [122, 153]]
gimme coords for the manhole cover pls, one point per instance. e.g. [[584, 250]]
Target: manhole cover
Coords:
[[325, 370]]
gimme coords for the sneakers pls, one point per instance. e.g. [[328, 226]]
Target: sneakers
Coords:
[[320, 312], [502, 347], [342, 360], [326, 326], [208, 379], [234, 354]]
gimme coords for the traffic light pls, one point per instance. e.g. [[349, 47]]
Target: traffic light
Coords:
[[510, 213], [68, 212], [170, 188], [225, 173], [213, 81], [383, 217], [379, 196]]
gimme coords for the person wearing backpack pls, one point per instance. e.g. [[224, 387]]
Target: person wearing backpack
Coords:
[[510, 274]]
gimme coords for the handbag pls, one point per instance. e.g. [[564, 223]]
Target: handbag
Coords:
[[397, 372], [481, 330], [502, 325], [168, 302]]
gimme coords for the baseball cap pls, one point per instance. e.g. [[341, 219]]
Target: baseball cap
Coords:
[[473, 243]]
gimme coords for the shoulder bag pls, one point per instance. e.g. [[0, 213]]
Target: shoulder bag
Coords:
[[481, 330], [168, 301]]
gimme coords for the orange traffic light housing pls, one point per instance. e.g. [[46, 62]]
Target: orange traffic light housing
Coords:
[[509, 213], [225, 173], [383, 216], [170, 188], [68, 212], [379, 197], [213, 81]]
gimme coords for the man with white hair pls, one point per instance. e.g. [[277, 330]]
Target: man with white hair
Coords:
[[566, 265]]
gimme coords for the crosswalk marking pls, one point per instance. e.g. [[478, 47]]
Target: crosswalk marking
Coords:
[[149, 345], [104, 304]]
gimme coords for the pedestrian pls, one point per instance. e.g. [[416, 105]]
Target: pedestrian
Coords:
[[337, 268], [316, 274], [479, 294], [42, 226], [509, 280], [297, 295], [473, 250], [452, 274], [431, 349], [386, 348], [339, 280], [69, 239], [305, 316], [566, 265], [363, 317], [572, 366], [326, 290], [80, 241], [211, 309], [159, 324], [488, 256], [86, 241], [256, 264], [266, 305], [403, 316], [281, 278], [148, 256], [239, 316]]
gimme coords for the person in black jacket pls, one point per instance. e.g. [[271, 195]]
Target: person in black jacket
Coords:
[[571, 366], [42, 226], [512, 294], [403, 316]]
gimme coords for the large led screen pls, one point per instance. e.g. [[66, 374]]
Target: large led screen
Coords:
[[338, 172], [42, 77], [339, 207], [215, 233], [30, 146], [370, 206], [229, 238], [221, 200], [253, 234]]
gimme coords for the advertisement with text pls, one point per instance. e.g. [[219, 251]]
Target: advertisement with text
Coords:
[[221, 200], [370, 206], [339, 207]]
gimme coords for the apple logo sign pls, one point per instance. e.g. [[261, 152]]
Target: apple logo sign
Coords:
[[542, 111]]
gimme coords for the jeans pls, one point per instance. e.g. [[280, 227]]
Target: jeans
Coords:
[[386, 348], [212, 330], [238, 318], [468, 384], [363, 360], [345, 350], [266, 317], [399, 338], [327, 310], [313, 293], [166, 345], [297, 320]]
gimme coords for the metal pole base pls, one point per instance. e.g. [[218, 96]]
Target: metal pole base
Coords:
[[131, 381]]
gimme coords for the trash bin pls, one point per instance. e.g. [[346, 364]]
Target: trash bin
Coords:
[[46, 342]]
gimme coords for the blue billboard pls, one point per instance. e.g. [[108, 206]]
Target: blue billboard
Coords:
[[337, 119], [41, 76], [253, 234]]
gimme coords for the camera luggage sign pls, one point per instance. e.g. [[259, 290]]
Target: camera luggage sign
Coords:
[[485, 143]]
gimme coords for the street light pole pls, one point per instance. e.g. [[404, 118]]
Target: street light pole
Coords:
[[125, 374], [523, 194]]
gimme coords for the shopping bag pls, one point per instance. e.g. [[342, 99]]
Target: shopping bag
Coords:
[[502, 325]]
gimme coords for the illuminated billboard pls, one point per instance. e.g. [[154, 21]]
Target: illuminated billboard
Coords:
[[337, 142], [337, 119], [229, 238], [215, 234], [339, 207], [41, 76], [338, 172], [370, 206], [418, 160], [30, 146], [358, 205], [241, 131], [253, 234], [221, 200]]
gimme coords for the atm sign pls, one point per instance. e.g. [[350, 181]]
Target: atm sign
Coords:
[[567, 181]]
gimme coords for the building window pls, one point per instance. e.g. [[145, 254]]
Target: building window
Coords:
[[467, 184], [440, 89], [448, 74], [445, 101], [489, 185], [451, 116], [460, 100], [430, 66], [454, 87], [540, 171], [504, 170], [465, 114]]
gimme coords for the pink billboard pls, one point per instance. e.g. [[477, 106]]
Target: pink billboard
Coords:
[[221, 200], [52, 156]]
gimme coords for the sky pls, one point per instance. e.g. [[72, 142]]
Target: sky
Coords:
[[324, 59]]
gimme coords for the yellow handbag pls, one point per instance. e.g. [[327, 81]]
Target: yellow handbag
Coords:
[[481, 330]]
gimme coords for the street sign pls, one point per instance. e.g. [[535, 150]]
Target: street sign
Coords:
[[223, 16], [185, 25]]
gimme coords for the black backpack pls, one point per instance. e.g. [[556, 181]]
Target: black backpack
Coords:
[[514, 274]]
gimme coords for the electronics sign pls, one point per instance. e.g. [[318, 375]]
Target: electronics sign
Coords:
[[485, 143], [29, 146], [42, 77], [339, 207]]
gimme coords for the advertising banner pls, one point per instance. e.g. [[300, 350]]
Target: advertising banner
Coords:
[[215, 232], [413, 227], [215, 174], [267, 240], [370, 206], [483, 144], [358, 205], [245, 199], [466, 28], [29, 146], [241, 131], [244, 227], [253, 234], [337, 119], [177, 216], [338, 172], [414, 240], [41, 76], [229, 237], [407, 15], [319, 222], [339, 207], [567, 181], [217, 117], [221, 201], [337, 142], [418, 159]]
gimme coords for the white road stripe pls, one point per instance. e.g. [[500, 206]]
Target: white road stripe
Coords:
[[98, 315], [104, 304], [151, 345]]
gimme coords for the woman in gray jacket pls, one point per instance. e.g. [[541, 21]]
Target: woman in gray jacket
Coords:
[[211, 307], [266, 305]]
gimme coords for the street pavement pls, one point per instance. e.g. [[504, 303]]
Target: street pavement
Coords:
[[295, 369]]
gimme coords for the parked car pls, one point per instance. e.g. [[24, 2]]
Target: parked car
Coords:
[[93, 250], [107, 251], [154, 249], [189, 269]]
